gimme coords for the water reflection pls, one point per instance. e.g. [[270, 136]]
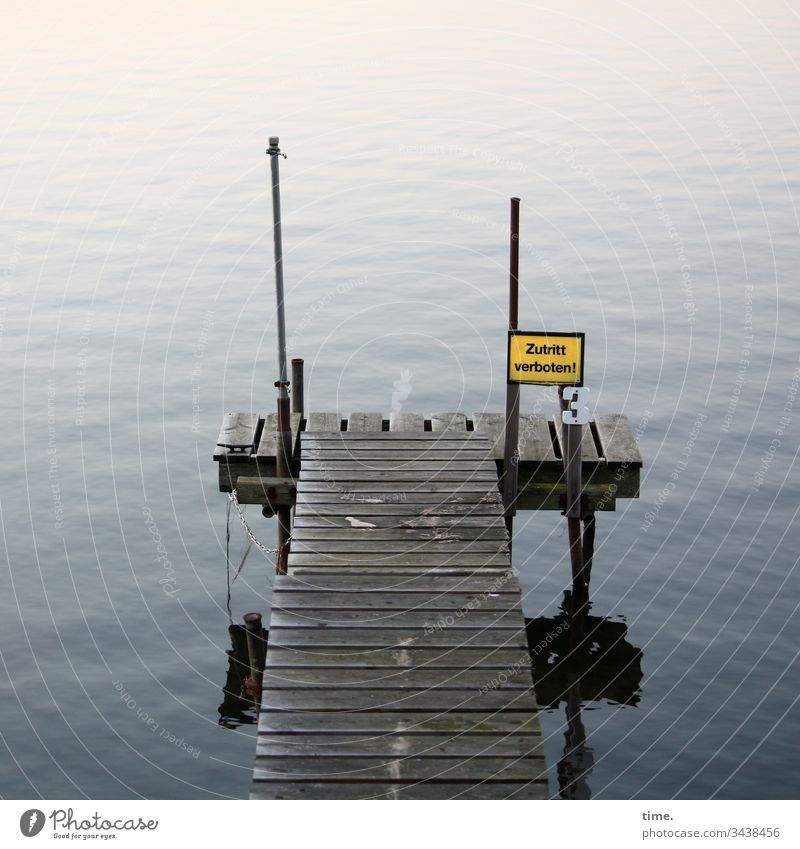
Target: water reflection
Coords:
[[575, 660]]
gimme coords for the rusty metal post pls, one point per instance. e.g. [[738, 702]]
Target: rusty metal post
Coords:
[[283, 459], [571, 438], [257, 652], [511, 446], [298, 401]]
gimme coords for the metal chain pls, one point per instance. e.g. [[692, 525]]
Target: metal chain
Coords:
[[251, 536]]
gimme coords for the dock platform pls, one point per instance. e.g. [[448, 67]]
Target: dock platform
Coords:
[[398, 664]]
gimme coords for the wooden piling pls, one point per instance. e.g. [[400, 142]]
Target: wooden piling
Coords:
[[256, 650], [298, 400]]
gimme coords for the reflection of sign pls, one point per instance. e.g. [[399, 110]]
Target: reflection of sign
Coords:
[[545, 358]]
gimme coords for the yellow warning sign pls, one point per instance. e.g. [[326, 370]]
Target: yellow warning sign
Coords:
[[545, 358]]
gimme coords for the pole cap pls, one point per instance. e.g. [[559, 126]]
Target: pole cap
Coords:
[[273, 141]]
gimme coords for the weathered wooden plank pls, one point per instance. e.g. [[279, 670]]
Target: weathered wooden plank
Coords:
[[387, 619], [263, 490], [401, 769], [440, 502], [551, 496], [398, 701], [487, 790], [400, 442], [364, 422], [397, 457], [617, 439], [395, 679], [314, 520], [408, 535], [522, 723], [237, 435], [268, 444], [324, 422], [448, 422], [493, 427], [359, 641], [398, 467], [536, 440], [406, 511], [389, 436], [380, 600], [375, 560], [402, 658], [343, 582], [413, 483], [366, 544], [394, 745], [588, 449], [397, 479], [401, 421], [498, 572]]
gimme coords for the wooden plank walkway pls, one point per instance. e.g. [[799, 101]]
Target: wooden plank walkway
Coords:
[[398, 664]]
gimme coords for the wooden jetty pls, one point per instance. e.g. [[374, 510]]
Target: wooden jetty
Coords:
[[398, 661], [397, 665]]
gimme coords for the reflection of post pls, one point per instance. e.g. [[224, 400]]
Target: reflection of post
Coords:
[[588, 547], [578, 759], [257, 650]]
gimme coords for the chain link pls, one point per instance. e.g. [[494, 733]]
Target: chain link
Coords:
[[251, 536]]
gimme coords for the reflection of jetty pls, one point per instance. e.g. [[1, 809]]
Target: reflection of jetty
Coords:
[[575, 660], [397, 664]]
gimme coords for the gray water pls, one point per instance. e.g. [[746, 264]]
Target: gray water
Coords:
[[655, 153]]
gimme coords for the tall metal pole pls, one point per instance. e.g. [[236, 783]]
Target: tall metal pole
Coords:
[[283, 458], [511, 447], [571, 438]]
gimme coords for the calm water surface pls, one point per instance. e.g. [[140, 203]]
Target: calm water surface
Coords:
[[656, 156]]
